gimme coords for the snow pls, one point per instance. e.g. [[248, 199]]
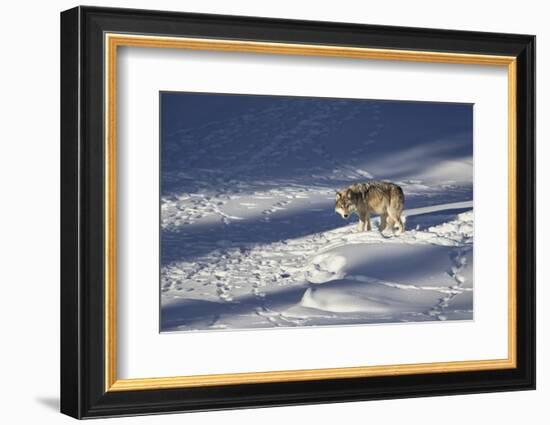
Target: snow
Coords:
[[325, 267], [309, 280], [423, 285], [250, 238]]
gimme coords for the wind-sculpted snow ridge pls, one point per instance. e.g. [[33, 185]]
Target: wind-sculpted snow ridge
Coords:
[[337, 276]]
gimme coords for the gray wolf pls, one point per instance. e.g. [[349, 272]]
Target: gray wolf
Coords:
[[379, 197]]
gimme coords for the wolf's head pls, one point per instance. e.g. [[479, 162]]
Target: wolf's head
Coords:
[[344, 203]]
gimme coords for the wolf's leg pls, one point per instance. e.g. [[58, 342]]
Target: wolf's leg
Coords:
[[367, 220], [383, 222], [394, 219], [390, 223], [400, 224], [361, 225], [396, 216]]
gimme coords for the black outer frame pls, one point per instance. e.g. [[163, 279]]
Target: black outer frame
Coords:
[[82, 219]]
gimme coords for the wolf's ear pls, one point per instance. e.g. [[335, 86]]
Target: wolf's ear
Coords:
[[348, 194], [338, 195]]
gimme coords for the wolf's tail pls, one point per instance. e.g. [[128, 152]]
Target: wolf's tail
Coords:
[[397, 203], [397, 199]]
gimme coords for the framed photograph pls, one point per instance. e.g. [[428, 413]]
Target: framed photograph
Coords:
[[261, 212]]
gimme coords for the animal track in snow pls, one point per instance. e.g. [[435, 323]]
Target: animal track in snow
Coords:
[[459, 262]]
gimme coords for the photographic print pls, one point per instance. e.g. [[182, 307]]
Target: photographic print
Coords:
[[286, 211], [272, 181]]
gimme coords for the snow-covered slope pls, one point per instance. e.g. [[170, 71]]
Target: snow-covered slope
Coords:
[[341, 276], [249, 234]]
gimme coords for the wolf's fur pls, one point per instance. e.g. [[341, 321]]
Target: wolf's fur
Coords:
[[383, 198]]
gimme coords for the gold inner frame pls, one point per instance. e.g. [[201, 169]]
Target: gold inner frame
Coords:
[[113, 41]]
